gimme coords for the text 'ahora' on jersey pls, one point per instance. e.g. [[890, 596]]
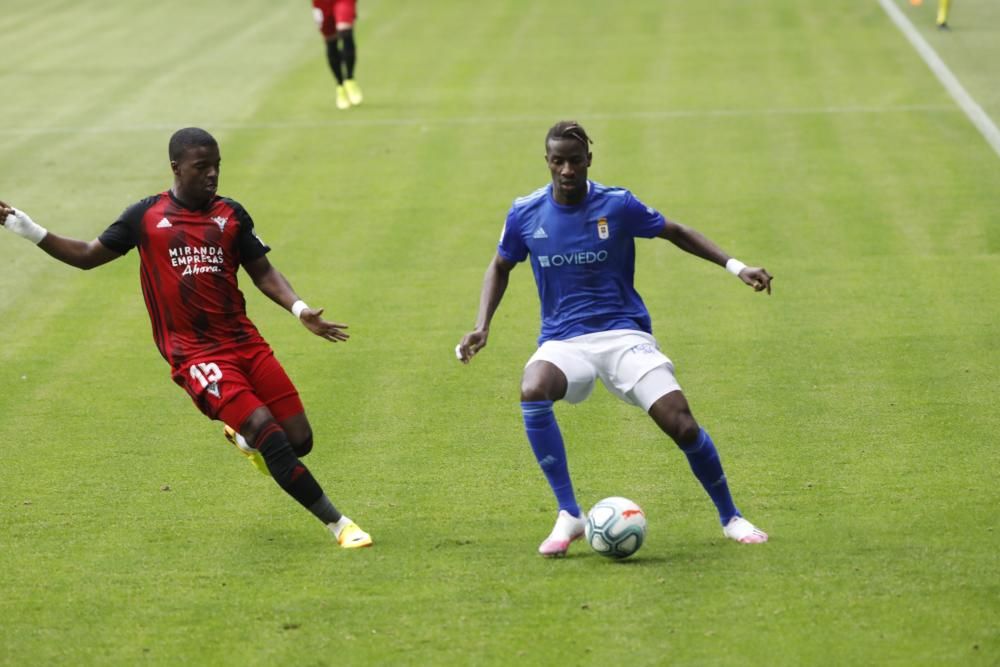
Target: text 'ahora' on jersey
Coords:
[[188, 265]]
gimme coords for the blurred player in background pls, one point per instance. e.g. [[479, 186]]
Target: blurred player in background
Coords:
[[579, 236], [335, 19], [942, 13], [191, 244]]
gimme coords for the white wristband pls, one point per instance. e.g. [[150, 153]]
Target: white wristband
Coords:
[[734, 266], [22, 225], [298, 307]]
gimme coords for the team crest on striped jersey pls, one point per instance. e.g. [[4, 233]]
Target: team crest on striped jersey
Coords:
[[221, 222], [602, 228]]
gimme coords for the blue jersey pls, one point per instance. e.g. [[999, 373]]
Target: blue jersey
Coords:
[[583, 258]]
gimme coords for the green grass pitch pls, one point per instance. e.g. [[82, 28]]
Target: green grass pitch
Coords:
[[855, 409]]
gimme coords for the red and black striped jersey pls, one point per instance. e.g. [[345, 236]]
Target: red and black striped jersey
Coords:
[[188, 260]]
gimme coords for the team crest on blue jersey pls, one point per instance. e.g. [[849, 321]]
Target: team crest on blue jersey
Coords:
[[602, 228]]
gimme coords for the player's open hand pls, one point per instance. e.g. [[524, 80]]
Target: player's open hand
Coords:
[[471, 343], [757, 277], [332, 331]]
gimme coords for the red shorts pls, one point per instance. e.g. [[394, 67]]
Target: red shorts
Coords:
[[331, 13], [231, 385]]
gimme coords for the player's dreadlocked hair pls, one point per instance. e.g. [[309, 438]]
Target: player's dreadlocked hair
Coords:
[[568, 129], [186, 138]]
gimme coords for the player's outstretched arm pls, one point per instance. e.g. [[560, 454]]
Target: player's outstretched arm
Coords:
[[273, 283], [692, 241], [494, 285], [81, 254]]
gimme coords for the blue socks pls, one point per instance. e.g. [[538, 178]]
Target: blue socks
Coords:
[[706, 466], [547, 443]]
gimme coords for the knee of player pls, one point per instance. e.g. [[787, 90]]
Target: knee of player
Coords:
[[542, 381], [254, 425], [680, 425], [531, 391], [685, 430], [537, 387], [279, 455], [304, 446]]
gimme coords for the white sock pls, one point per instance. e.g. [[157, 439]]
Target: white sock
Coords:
[[338, 526]]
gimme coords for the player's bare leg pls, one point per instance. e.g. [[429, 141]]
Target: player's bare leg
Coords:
[[299, 433], [673, 415]]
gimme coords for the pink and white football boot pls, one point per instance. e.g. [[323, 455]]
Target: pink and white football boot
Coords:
[[568, 529], [743, 531]]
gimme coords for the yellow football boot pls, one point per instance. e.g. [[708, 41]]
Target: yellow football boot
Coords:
[[246, 450], [353, 92], [351, 536], [342, 100]]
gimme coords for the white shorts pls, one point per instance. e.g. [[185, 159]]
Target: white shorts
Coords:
[[628, 362]]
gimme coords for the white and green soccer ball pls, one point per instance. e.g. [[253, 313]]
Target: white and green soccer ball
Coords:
[[616, 527]]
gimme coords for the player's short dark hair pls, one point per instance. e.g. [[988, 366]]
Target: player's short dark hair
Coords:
[[568, 129], [186, 138]]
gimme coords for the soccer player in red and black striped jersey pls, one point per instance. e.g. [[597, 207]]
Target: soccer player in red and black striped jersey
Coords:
[[335, 20], [191, 245]]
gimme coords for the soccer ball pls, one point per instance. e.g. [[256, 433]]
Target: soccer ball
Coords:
[[616, 527]]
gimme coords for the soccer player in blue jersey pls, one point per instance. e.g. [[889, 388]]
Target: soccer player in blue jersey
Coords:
[[579, 236]]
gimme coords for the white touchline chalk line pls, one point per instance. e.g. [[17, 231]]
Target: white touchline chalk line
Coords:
[[971, 108]]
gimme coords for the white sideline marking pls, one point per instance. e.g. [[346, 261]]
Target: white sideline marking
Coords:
[[482, 120], [958, 93]]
